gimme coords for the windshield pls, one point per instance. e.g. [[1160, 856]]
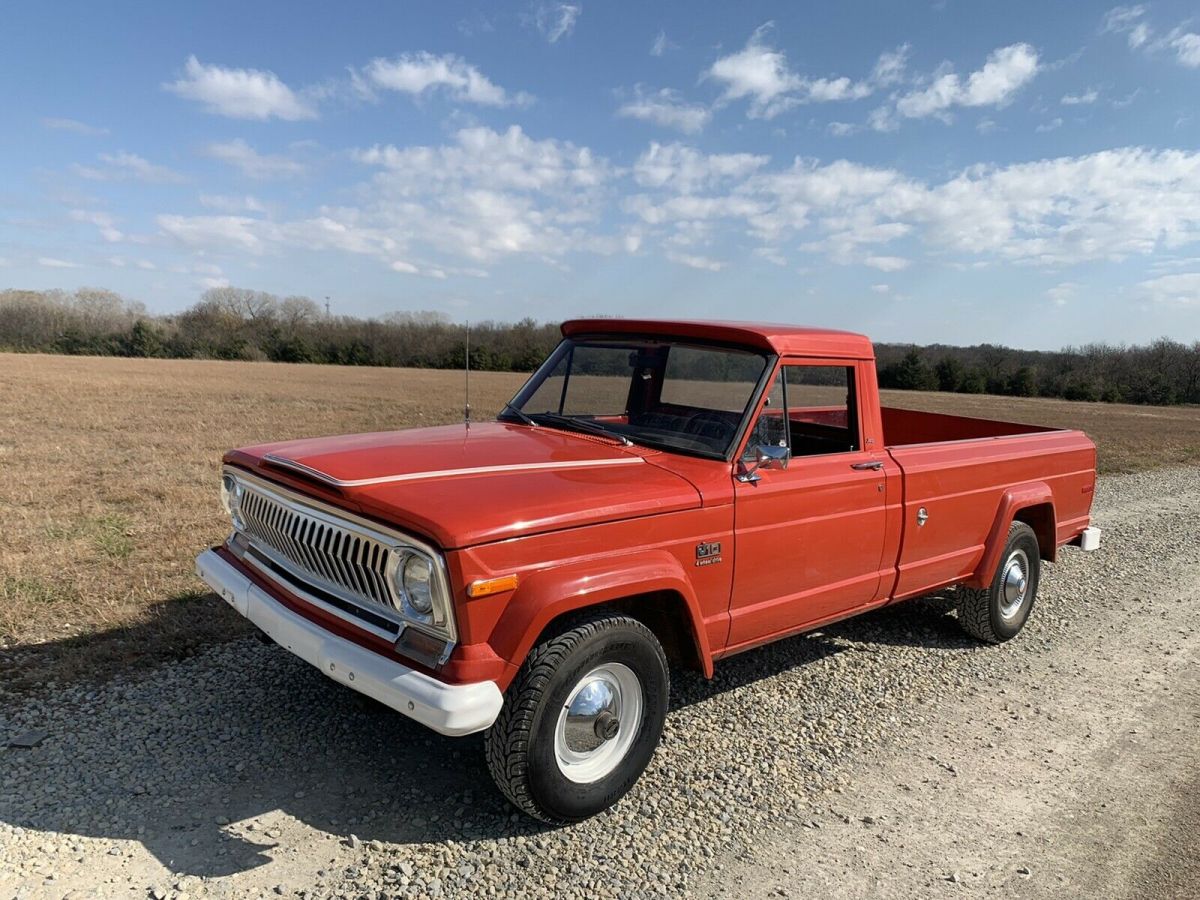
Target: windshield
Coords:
[[660, 393]]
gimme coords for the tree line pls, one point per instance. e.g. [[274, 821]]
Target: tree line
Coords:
[[236, 323], [240, 324]]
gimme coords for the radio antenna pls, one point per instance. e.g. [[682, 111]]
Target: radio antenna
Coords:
[[467, 379]]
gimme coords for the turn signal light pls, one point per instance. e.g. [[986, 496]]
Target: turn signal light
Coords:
[[489, 586]]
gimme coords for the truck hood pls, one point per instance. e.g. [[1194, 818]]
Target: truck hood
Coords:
[[462, 487]]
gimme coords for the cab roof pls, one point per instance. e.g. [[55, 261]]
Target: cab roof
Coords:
[[784, 340]]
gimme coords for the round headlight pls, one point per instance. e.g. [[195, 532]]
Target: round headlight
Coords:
[[228, 484], [231, 499], [416, 579]]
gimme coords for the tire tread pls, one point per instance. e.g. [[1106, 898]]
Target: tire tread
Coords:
[[506, 743], [975, 604]]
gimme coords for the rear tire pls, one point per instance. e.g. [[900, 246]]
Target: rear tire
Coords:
[[581, 720], [998, 612]]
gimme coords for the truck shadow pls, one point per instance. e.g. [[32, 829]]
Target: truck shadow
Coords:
[[209, 762], [922, 622]]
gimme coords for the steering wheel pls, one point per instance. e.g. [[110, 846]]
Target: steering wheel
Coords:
[[718, 427]]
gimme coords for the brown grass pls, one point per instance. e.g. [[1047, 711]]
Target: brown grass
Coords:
[[110, 470], [109, 489]]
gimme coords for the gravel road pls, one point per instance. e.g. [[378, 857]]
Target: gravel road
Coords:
[[886, 754]]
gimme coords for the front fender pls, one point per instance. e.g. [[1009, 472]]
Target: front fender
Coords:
[[1015, 499], [547, 594]]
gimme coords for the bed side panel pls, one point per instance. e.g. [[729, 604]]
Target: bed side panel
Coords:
[[961, 486]]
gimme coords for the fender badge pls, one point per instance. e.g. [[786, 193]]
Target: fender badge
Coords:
[[708, 553]]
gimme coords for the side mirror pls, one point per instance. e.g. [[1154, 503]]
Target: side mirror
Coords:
[[766, 457], [772, 457]]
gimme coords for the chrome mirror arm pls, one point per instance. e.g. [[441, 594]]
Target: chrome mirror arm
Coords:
[[767, 457]]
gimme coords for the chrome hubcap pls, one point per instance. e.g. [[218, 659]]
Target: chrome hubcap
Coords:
[[1015, 585], [598, 723]]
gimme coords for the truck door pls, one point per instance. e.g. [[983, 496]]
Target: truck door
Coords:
[[808, 539]]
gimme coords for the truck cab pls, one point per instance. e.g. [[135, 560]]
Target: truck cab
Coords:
[[657, 493]]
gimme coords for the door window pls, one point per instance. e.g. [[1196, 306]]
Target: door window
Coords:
[[820, 409]]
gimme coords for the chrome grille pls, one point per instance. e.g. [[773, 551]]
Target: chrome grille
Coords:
[[335, 554]]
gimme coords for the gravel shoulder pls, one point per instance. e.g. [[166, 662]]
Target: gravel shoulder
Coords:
[[888, 754]]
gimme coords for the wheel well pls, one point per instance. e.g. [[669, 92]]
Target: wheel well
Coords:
[[1041, 519], [665, 613]]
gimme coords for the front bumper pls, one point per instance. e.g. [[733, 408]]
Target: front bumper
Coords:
[[451, 709]]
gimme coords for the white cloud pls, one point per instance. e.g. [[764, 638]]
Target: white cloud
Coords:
[[421, 73], [693, 261], [231, 203], [497, 160], [1106, 205], [5, 262], [74, 126], [406, 268], [1062, 293], [1126, 20], [685, 170], [1130, 21], [474, 24], [240, 93], [1186, 46], [251, 163], [1051, 125], [125, 166], [666, 108], [335, 229], [214, 281], [890, 67], [1088, 97], [488, 195], [215, 232], [1127, 100], [119, 262], [103, 221], [1182, 289], [886, 263], [1103, 206], [841, 129], [771, 255], [761, 74], [881, 288], [883, 118], [51, 262], [662, 44], [555, 20], [1005, 72]]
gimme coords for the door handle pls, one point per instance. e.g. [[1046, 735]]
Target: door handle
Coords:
[[874, 465]]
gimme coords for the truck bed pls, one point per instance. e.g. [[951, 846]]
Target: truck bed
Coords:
[[903, 427], [964, 473]]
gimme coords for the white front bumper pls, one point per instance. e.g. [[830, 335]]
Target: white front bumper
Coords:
[[451, 709]]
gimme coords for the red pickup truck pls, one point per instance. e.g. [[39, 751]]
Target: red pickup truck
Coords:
[[656, 492]]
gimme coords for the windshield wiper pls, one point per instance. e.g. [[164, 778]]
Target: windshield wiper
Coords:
[[581, 425], [509, 408]]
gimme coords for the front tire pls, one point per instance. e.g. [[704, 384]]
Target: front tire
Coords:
[[581, 720], [998, 612]]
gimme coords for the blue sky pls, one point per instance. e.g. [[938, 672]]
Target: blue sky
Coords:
[[1026, 173]]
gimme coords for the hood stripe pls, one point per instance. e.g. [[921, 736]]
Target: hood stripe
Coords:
[[286, 463]]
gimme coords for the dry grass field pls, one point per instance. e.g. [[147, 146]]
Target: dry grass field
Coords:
[[110, 471]]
